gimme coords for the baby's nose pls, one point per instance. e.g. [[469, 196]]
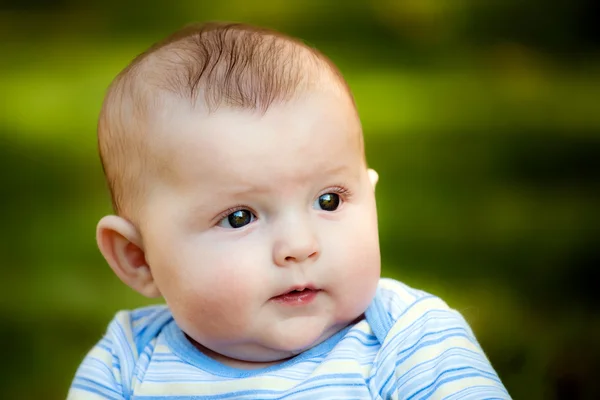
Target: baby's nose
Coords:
[[296, 247]]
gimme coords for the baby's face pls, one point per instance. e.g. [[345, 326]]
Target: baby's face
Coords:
[[254, 208]]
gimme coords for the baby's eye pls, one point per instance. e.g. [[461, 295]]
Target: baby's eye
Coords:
[[328, 202], [237, 219]]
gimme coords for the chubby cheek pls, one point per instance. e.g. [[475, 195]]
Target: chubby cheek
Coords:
[[219, 308], [358, 268], [361, 279], [211, 291]]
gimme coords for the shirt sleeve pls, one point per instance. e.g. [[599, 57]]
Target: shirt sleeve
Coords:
[[433, 354], [104, 372]]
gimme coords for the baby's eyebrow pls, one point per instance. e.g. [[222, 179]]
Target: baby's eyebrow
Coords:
[[331, 170], [205, 203], [318, 174], [249, 189]]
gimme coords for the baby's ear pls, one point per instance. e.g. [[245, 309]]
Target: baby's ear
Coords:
[[373, 177], [120, 243]]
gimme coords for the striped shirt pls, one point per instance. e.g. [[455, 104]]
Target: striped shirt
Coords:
[[410, 345]]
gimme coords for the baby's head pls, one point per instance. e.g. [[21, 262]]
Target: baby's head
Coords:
[[236, 165]]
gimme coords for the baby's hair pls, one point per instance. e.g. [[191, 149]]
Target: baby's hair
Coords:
[[216, 64]]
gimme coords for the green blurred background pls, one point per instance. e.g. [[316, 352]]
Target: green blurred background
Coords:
[[481, 117]]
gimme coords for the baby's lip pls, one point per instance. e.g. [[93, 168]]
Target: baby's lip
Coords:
[[299, 288]]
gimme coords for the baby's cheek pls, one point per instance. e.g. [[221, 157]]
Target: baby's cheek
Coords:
[[364, 270], [360, 271], [220, 304], [361, 246]]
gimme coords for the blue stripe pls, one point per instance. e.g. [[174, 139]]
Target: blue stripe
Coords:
[[400, 361], [88, 384], [437, 383], [253, 393]]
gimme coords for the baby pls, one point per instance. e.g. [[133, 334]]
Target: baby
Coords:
[[242, 196]]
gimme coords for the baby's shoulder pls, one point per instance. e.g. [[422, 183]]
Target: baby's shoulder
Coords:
[[397, 297], [397, 303], [427, 348], [136, 328]]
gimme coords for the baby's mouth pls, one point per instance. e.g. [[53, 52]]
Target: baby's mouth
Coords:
[[297, 296]]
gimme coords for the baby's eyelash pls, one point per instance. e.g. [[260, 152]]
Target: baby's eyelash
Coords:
[[225, 213], [344, 192]]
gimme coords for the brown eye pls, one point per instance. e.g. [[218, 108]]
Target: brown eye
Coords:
[[328, 201], [237, 219]]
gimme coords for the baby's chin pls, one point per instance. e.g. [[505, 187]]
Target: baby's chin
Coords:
[[299, 340], [272, 352]]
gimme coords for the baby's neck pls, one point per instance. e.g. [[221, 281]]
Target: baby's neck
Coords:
[[232, 362], [241, 364]]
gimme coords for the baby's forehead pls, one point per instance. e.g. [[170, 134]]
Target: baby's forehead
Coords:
[[289, 145], [316, 119]]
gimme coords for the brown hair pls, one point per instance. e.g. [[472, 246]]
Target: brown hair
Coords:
[[234, 65]]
